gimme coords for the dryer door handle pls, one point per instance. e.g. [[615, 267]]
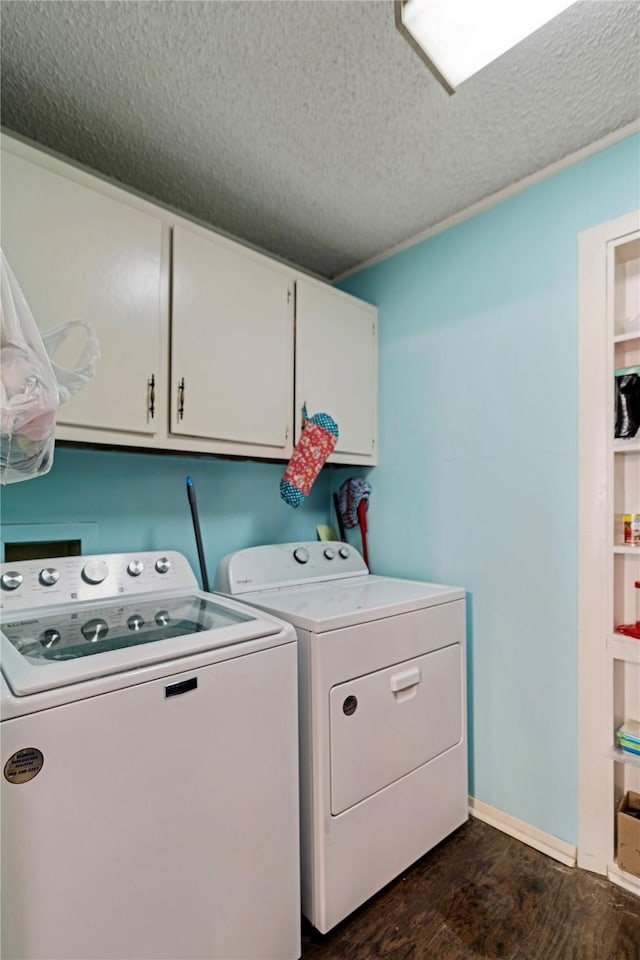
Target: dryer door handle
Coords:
[[408, 678]]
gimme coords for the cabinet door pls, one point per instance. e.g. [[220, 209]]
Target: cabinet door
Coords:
[[336, 366], [79, 254], [231, 346]]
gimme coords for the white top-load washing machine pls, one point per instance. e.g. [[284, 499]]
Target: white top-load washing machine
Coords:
[[150, 766], [383, 747]]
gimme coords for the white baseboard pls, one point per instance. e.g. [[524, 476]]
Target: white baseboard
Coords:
[[622, 879], [544, 842]]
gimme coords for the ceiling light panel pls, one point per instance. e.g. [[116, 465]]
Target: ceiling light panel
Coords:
[[460, 37]]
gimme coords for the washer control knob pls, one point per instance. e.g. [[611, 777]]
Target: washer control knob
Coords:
[[163, 564], [162, 618], [95, 629], [95, 571], [48, 576], [301, 554], [329, 553], [11, 580], [344, 552], [49, 638], [135, 568], [135, 622]]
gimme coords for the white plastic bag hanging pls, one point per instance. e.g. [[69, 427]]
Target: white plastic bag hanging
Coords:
[[32, 385], [70, 381]]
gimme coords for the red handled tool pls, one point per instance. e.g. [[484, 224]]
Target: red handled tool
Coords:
[[362, 520], [353, 502]]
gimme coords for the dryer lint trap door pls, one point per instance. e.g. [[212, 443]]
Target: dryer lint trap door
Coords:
[[388, 723]]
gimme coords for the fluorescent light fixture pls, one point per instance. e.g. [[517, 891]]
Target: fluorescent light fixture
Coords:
[[456, 38]]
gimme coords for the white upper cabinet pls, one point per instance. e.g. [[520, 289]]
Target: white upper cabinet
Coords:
[[336, 367], [206, 346], [79, 254], [231, 345]]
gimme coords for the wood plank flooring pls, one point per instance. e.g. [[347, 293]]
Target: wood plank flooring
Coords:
[[481, 895]]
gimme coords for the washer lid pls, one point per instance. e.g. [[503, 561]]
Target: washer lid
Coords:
[[331, 605], [56, 647]]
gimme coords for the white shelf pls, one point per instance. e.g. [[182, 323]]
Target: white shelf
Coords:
[[624, 648], [627, 446], [621, 757], [623, 879], [609, 672]]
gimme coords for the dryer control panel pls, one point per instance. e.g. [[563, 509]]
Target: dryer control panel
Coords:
[[287, 564]]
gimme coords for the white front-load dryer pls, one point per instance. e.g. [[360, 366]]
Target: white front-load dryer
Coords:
[[382, 713]]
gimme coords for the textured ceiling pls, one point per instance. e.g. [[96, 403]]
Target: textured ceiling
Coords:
[[307, 127]]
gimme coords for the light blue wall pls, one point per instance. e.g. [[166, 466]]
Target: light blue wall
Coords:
[[477, 477], [476, 483], [139, 502]]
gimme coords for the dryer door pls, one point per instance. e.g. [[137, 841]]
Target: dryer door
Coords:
[[388, 723]]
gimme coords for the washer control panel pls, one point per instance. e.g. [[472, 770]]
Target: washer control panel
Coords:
[[36, 583], [286, 564]]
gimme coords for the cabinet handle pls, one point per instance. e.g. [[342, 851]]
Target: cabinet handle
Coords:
[[181, 399], [151, 405]]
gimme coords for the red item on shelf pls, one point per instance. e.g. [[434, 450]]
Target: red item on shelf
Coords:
[[632, 629]]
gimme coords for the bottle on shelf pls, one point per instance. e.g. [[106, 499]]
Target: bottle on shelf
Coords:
[[627, 529]]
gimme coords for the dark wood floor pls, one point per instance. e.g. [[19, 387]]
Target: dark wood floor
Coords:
[[480, 895]]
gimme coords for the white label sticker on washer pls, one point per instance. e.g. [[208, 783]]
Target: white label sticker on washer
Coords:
[[23, 765]]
